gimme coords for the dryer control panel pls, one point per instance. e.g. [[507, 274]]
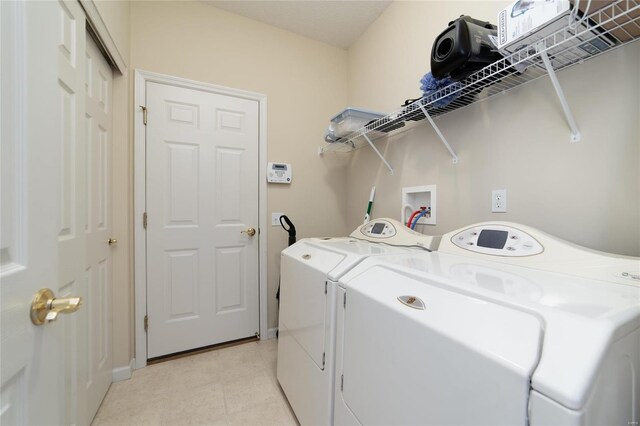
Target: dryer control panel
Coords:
[[394, 233], [497, 240]]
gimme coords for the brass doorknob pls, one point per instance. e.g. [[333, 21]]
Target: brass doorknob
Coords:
[[45, 307], [112, 241], [250, 232]]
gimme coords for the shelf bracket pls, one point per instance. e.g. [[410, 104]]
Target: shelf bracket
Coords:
[[575, 133], [440, 135], [378, 152]]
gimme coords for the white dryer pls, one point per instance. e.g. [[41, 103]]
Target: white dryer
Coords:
[[310, 270], [502, 325]]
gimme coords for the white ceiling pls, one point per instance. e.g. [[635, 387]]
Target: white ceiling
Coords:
[[339, 23]]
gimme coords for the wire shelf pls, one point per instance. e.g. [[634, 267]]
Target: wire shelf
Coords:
[[601, 31]]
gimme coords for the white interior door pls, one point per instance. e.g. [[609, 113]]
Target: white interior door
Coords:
[[42, 51], [202, 197], [95, 349], [54, 155]]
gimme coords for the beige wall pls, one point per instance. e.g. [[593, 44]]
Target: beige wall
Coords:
[[305, 82], [586, 192]]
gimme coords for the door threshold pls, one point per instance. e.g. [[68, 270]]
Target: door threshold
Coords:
[[201, 350]]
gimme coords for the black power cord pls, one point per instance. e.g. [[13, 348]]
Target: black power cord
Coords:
[[291, 230]]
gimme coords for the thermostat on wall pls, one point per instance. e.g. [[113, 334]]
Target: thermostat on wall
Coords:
[[279, 173]]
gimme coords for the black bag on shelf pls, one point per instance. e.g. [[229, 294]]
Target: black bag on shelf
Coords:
[[463, 48]]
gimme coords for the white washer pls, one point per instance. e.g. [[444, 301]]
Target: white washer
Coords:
[[310, 270], [502, 325]]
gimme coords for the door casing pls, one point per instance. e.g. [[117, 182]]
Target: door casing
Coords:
[[140, 248]]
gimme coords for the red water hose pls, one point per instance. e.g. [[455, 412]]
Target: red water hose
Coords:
[[411, 218]]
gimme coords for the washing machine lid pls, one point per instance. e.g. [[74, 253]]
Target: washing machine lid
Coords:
[[439, 357], [335, 256], [581, 317]]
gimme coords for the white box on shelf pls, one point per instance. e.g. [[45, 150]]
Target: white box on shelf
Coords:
[[526, 17], [524, 23]]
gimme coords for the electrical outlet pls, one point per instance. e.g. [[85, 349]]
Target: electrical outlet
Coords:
[[275, 219], [499, 201]]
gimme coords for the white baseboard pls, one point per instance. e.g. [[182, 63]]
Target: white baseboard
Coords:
[[123, 373], [271, 333]]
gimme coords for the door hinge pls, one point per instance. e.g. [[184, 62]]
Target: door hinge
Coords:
[[342, 382], [325, 287], [324, 355], [344, 301], [144, 114], [144, 220], [257, 334], [146, 323]]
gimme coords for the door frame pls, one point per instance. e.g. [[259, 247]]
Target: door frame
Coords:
[[140, 173]]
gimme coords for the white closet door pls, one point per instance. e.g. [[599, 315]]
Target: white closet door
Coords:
[[202, 193], [96, 347]]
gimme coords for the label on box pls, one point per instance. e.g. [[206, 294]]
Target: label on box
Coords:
[[524, 17]]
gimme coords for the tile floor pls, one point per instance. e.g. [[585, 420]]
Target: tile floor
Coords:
[[230, 386]]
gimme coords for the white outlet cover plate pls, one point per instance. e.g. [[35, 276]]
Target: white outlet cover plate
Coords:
[[275, 219], [499, 201]]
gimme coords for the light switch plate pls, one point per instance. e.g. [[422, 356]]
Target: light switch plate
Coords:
[[275, 219]]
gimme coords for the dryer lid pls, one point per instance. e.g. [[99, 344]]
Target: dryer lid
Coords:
[[336, 256]]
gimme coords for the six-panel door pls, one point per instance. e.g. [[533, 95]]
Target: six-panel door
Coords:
[[202, 193]]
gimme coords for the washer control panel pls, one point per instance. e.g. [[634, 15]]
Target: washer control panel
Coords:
[[379, 229], [497, 240], [391, 232]]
